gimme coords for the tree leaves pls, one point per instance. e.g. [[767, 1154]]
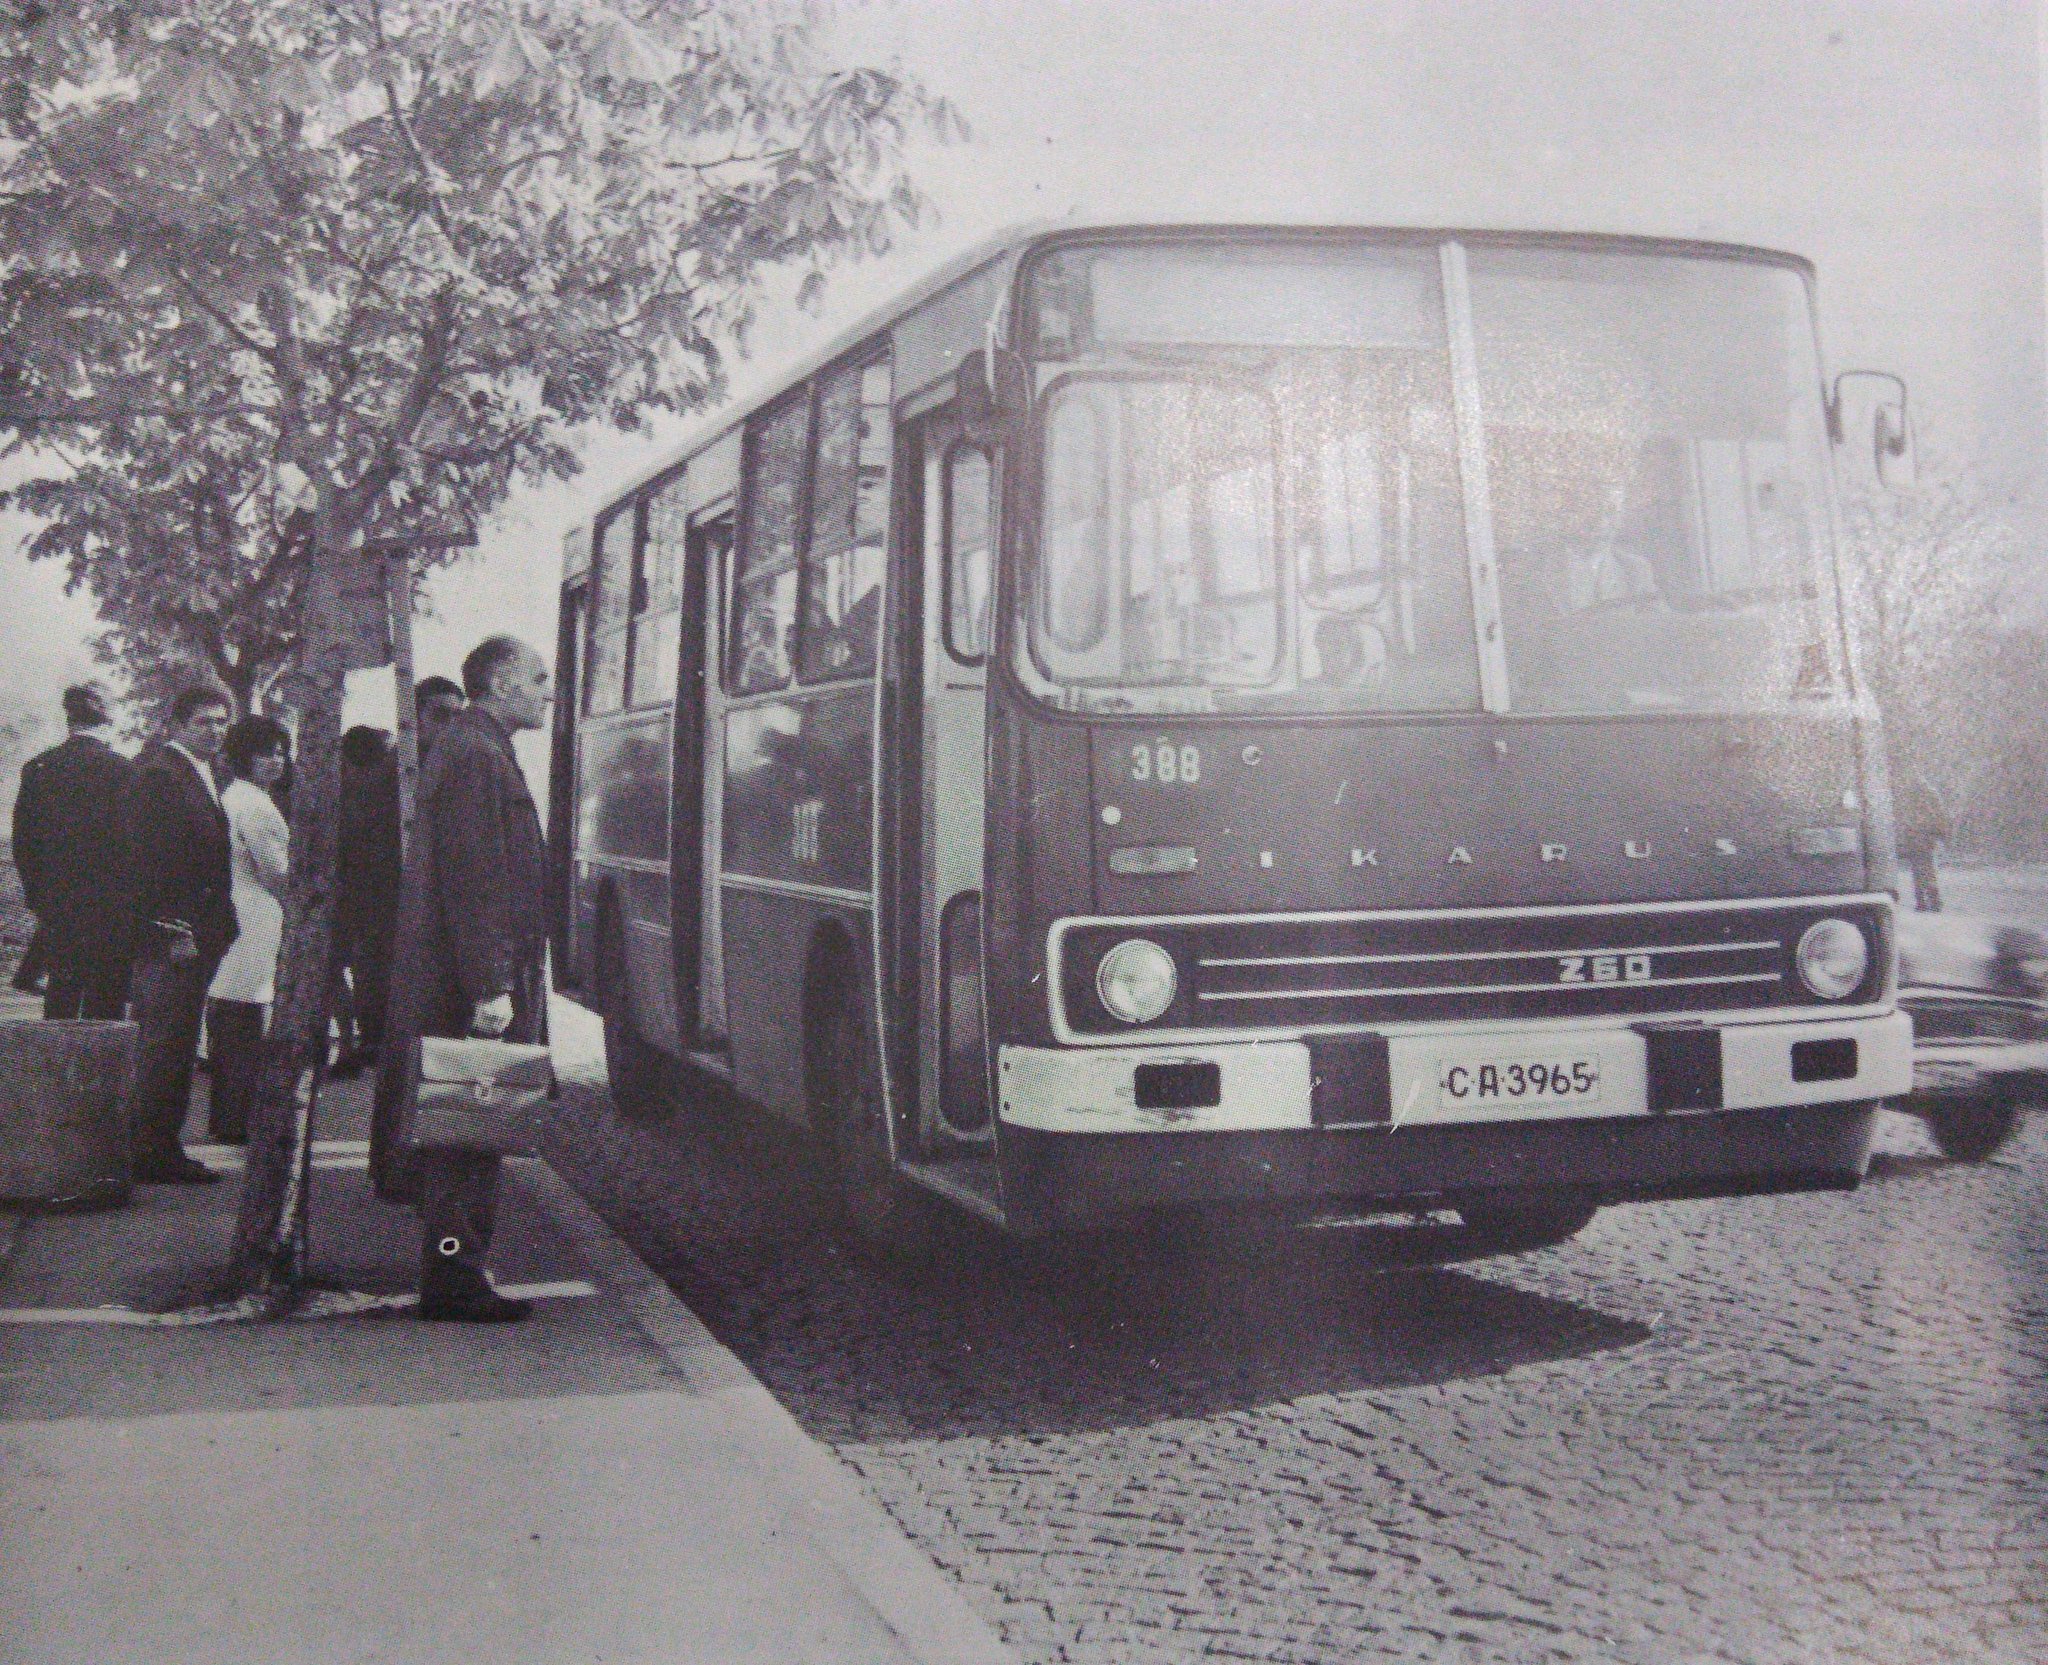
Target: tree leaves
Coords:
[[286, 258]]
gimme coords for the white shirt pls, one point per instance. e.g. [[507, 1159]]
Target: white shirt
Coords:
[[260, 845]]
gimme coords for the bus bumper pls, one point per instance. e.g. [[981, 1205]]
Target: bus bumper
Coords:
[[1679, 1110]]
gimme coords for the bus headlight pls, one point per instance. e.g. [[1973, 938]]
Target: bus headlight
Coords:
[[1136, 980], [1832, 958]]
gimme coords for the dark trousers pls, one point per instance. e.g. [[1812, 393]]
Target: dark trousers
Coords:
[[458, 1209], [168, 996], [369, 970], [458, 1190], [234, 1048], [85, 983], [1926, 880]]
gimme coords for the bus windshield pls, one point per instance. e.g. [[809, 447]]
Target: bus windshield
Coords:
[[1254, 495]]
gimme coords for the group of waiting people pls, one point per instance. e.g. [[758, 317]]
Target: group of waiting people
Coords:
[[158, 884]]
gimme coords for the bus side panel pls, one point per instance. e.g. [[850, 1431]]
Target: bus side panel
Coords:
[[650, 962], [1040, 862]]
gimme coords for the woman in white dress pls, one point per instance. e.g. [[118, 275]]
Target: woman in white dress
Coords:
[[256, 752]]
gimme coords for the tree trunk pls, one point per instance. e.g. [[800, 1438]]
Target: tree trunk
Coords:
[[270, 1233]]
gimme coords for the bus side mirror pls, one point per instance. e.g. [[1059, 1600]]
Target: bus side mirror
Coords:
[[1882, 396], [992, 391]]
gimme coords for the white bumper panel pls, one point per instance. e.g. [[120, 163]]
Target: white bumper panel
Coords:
[[1266, 1085], [1756, 1062]]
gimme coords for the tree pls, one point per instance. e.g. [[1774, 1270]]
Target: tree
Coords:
[[185, 583], [1930, 573], [286, 274]]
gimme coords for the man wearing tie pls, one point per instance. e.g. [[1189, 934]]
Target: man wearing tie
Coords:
[[178, 864]]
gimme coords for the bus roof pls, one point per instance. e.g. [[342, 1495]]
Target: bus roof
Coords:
[[1012, 240]]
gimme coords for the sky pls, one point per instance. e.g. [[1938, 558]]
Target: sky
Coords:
[[1896, 143]]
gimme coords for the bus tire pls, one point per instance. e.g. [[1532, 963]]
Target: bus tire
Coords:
[[849, 1116], [636, 1071], [1973, 1129], [1517, 1223]]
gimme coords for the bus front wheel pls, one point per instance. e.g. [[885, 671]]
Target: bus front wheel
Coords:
[[1513, 1223], [636, 1071], [850, 1118], [1973, 1129]]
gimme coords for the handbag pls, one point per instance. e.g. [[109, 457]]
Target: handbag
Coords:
[[479, 1095]]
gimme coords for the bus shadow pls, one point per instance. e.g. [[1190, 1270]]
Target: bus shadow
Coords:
[[988, 1338]]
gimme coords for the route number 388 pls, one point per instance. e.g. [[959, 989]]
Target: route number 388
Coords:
[[1167, 763]]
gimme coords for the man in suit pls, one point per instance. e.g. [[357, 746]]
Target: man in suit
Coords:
[[471, 952], [393, 1170], [68, 844], [366, 892], [184, 919]]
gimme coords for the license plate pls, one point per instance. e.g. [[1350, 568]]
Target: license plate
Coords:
[[1494, 1083]]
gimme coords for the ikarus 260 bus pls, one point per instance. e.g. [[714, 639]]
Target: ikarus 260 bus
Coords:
[[1323, 721]]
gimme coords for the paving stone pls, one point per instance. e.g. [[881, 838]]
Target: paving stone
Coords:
[[1807, 1429]]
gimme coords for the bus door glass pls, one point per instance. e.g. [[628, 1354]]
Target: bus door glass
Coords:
[[694, 817], [958, 520], [569, 635]]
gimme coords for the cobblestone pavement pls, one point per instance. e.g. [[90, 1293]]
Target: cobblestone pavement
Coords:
[[1783, 1429]]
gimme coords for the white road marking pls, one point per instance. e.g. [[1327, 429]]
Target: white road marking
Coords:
[[321, 1304]]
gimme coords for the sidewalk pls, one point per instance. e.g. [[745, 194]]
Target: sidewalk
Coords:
[[601, 1483]]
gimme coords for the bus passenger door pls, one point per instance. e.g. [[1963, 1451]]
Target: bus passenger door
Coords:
[[696, 799], [953, 514], [561, 869]]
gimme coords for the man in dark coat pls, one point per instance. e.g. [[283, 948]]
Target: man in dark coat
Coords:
[[366, 894], [471, 952], [183, 919], [70, 848]]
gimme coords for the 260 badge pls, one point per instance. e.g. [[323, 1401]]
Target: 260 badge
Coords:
[[1490, 1082]]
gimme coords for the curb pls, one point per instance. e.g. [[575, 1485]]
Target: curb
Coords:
[[925, 1609]]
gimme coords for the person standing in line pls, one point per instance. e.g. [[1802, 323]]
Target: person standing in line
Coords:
[[435, 699], [471, 951], [69, 847], [366, 894], [392, 1170], [259, 852], [184, 919], [32, 971]]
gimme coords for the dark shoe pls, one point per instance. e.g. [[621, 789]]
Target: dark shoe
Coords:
[[220, 1138], [474, 1306], [179, 1169], [345, 1068]]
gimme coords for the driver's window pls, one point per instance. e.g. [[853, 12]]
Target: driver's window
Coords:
[[968, 563]]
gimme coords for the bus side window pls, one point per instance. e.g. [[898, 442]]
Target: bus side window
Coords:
[[611, 616], [842, 583], [658, 597], [967, 560], [764, 583]]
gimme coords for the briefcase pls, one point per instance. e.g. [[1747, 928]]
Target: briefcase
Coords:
[[479, 1095]]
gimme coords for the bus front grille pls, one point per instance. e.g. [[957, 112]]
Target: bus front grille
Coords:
[[1295, 972]]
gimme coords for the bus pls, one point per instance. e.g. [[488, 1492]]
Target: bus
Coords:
[[1309, 722]]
